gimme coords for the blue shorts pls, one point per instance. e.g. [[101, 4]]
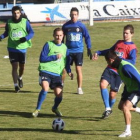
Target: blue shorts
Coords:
[[17, 57], [77, 58], [54, 81], [113, 79], [133, 97]]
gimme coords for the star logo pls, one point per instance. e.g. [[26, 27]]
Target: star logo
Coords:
[[52, 12]]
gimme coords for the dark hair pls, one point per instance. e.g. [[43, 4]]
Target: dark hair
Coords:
[[74, 9], [57, 29], [15, 8], [129, 27], [110, 54]]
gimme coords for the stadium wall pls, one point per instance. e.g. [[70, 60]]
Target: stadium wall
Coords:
[[101, 11]]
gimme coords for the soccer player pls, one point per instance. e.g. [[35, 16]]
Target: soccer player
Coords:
[[74, 32], [126, 50], [53, 59], [19, 32], [131, 95]]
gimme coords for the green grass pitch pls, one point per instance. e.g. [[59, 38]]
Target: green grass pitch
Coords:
[[81, 112]]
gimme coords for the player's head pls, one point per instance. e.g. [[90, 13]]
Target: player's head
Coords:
[[74, 14], [58, 35], [16, 12], [128, 32], [112, 59]]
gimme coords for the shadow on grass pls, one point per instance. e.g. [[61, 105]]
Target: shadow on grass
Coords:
[[23, 114], [80, 132], [40, 130], [11, 90], [42, 115]]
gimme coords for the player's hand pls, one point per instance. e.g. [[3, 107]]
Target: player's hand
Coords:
[[22, 40], [95, 56], [59, 56], [71, 75], [89, 53]]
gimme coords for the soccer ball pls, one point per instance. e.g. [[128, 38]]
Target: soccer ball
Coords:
[[58, 124]]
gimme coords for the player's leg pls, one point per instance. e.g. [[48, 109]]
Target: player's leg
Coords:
[[126, 107], [15, 75], [44, 81], [115, 84], [79, 78], [13, 56], [78, 66], [104, 82], [127, 103], [112, 97], [57, 100], [22, 59], [105, 96], [63, 76], [57, 86]]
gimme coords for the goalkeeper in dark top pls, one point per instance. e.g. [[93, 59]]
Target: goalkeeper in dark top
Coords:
[[19, 32], [74, 32]]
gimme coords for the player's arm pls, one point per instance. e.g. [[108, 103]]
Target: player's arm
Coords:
[[44, 55], [131, 72], [67, 66], [87, 41], [102, 52], [132, 56], [5, 34], [29, 31]]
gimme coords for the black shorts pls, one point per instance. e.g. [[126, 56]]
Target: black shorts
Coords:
[[113, 79], [17, 57], [133, 97], [54, 81], [77, 58]]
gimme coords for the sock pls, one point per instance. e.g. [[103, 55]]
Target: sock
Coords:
[[41, 98], [128, 128], [105, 97], [57, 101], [20, 78], [138, 109], [112, 102], [15, 84]]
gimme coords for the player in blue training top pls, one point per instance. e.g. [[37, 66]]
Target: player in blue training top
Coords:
[[131, 95], [125, 49], [74, 32], [19, 32]]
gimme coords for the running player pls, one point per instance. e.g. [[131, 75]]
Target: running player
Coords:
[[19, 32], [126, 50]]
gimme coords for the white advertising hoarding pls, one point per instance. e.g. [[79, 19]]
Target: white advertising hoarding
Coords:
[[101, 10]]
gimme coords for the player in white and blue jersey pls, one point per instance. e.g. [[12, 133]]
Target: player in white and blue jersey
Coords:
[[74, 32]]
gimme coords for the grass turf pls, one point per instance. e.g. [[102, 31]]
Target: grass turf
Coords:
[[81, 112]]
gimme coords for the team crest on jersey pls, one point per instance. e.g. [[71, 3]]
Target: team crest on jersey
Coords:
[[77, 29], [120, 54]]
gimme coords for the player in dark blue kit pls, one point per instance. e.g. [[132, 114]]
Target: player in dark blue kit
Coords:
[[74, 32], [131, 95]]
